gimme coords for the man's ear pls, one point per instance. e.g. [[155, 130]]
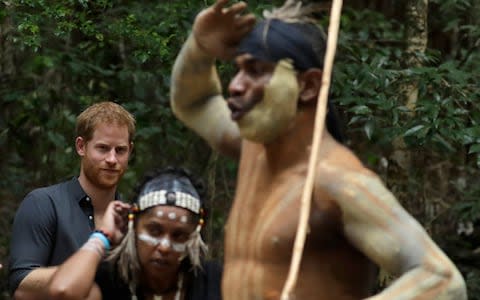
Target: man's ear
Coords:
[[80, 145], [131, 148], [310, 83]]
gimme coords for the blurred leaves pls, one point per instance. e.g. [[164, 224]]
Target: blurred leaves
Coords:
[[57, 57]]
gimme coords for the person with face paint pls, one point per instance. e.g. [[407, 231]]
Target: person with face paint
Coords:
[[161, 256], [267, 121]]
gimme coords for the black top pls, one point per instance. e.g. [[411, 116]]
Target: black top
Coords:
[[50, 225], [205, 285]]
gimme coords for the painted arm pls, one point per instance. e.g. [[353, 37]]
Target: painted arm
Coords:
[[196, 99], [380, 227], [196, 93]]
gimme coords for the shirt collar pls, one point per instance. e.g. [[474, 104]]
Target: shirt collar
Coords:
[[78, 193], [76, 190]]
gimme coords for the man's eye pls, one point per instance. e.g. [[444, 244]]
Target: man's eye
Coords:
[[255, 71], [121, 150], [258, 70]]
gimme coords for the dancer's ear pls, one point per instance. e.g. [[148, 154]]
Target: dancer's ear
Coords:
[[310, 82]]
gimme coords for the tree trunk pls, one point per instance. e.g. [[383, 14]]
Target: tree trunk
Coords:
[[7, 64], [416, 37], [7, 71]]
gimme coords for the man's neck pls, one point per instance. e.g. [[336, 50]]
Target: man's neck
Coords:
[[100, 197], [296, 140]]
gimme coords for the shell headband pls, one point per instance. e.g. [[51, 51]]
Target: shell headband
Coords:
[[164, 197]]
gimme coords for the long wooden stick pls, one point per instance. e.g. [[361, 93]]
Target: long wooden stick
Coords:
[[317, 136]]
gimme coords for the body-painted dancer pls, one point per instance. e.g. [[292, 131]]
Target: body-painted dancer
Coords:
[[267, 121]]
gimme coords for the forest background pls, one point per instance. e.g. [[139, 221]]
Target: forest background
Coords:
[[406, 83]]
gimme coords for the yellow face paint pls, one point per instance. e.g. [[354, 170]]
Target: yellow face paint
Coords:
[[274, 114]]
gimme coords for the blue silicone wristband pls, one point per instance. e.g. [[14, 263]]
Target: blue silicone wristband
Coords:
[[103, 238]]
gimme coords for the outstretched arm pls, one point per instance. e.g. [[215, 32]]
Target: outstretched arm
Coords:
[[196, 93], [74, 279], [380, 227]]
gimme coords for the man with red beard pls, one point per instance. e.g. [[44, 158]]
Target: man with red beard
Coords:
[[53, 222], [355, 223]]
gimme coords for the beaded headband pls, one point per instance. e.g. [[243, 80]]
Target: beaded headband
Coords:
[[164, 197]]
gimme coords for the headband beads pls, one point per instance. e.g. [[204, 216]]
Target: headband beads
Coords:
[[164, 197]]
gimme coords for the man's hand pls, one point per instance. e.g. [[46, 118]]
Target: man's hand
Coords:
[[218, 29], [116, 220]]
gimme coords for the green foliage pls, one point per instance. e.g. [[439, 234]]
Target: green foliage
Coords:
[[472, 280], [369, 78], [469, 209], [57, 57]]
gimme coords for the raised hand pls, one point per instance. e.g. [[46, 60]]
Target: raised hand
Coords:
[[116, 220], [219, 29]]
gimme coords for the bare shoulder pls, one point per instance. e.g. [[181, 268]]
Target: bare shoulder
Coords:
[[345, 179], [337, 163], [353, 181]]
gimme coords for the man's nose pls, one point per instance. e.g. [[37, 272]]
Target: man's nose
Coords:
[[237, 85], [112, 156]]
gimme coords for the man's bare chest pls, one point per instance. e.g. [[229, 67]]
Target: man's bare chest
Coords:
[[264, 217]]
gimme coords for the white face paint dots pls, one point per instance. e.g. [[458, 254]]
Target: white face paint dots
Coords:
[[184, 219], [172, 216]]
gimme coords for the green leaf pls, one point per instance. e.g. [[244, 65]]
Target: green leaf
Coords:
[[413, 130], [443, 142], [474, 149], [361, 110], [356, 119], [369, 129]]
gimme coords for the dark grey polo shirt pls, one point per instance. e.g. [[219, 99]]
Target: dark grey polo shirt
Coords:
[[50, 225]]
